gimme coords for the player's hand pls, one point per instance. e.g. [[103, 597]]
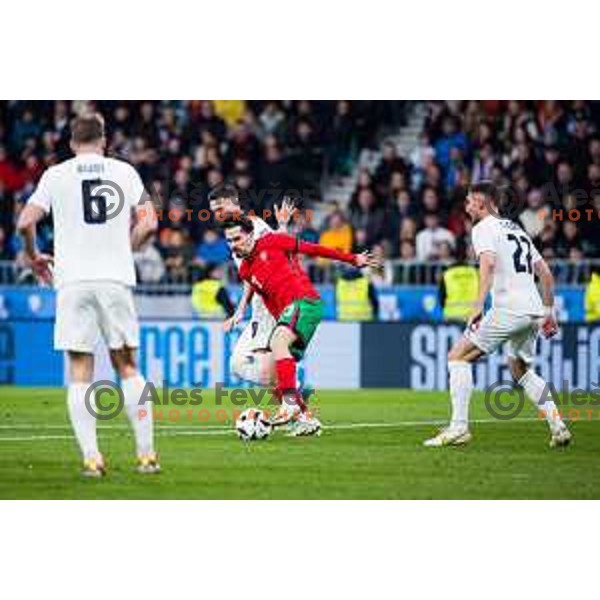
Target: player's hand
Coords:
[[366, 259], [285, 213], [41, 264], [230, 323], [475, 317], [549, 326]]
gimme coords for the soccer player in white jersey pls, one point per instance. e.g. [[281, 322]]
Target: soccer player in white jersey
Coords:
[[251, 358], [93, 275], [508, 264]]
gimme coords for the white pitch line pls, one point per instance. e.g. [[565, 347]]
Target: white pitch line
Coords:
[[172, 431]]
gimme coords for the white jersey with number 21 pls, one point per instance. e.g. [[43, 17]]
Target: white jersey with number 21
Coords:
[[514, 286]]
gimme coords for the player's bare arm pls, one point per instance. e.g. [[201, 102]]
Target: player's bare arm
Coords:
[[362, 260], [30, 216], [240, 311], [487, 266], [146, 224], [549, 324]]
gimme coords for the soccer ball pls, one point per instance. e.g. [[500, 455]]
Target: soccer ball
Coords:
[[253, 425]]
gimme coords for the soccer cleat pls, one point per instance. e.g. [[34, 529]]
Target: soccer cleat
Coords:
[[304, 425], [449, 437], [148, 463], [561, 437], [94, 467]]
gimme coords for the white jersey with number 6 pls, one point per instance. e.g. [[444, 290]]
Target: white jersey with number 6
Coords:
[[91, 197], [514, 288]]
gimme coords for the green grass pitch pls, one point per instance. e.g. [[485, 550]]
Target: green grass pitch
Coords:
[[370, 448]]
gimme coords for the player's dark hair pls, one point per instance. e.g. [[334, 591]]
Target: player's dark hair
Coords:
[[224, 190], [487, 189], [87, 129], [242, 221]]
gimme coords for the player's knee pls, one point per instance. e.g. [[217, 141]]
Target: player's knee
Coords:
[[250, 367], [123, 362], [281, 341], [455, 354], [237, 363]]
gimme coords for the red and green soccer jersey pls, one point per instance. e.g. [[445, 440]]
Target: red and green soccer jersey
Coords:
[[274, 272]]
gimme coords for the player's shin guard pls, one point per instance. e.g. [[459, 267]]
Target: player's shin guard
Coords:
[[83, 419], [461, 387], [140, 415], [286, 383], [539, 393]]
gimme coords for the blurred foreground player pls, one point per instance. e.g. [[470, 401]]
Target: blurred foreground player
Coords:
[[508, 264], [270, 265], [93, 274]]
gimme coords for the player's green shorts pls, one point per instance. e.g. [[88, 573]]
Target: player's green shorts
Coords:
[[302, 317]]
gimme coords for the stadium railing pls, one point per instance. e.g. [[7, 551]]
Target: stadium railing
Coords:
[[396, 272]]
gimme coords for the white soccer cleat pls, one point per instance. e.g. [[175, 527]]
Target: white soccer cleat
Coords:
[[449, 437], [304, 425], [561, 437]]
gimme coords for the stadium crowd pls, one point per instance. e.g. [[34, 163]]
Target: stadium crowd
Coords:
[[547, 153]]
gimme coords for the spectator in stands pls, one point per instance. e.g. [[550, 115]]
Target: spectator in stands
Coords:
[[272, 119], [390, 163], [569, 237], [450, 138], [213, 249], [210, 298], [149, 263], [338, 233], [178, 256], [429, 239], [368, 216], [483, 163], [302, 226], [401, 209], [546, 241], [342, 140], [536, 214]]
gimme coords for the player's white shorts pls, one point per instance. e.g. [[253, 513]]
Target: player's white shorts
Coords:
[[256, 334], [499, 326], [245, 362], [88, 311]]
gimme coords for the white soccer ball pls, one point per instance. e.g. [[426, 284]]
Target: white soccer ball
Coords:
[[253, 425]]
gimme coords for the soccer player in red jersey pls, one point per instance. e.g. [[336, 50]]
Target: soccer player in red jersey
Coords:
[[271, 267]]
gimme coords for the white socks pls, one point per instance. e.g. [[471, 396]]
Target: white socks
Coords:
[[140, 415], [461, 387], [82, 420], [535, 387]]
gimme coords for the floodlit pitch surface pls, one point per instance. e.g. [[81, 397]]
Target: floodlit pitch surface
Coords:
[[371, 447]]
